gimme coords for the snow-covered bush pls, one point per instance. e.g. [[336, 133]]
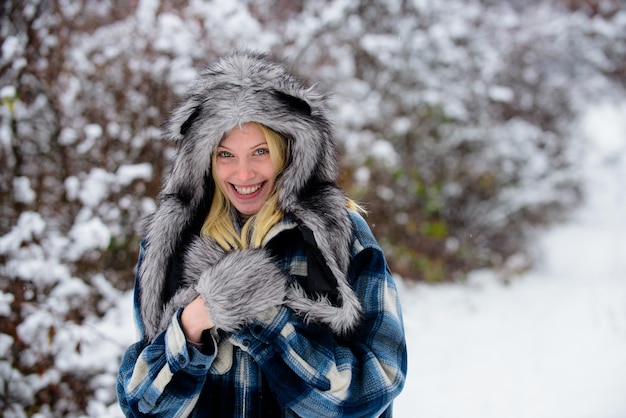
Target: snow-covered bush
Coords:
[[457, 120]]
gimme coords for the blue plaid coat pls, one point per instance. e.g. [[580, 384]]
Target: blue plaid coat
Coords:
[[279, 365]]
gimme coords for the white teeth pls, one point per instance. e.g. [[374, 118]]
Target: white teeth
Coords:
[[247, 189]]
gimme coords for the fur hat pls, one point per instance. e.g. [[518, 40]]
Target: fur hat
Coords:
[[238, 88]]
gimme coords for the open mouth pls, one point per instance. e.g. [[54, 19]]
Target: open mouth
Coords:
[[247, 190]]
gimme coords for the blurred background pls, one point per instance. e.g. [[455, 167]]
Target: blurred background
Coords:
[[460, 122]]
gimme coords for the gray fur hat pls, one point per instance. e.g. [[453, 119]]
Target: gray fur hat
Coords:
[[249, 87], [238, 88]]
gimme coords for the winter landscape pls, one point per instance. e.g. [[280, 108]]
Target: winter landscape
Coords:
[[553, 342], [486, 137]]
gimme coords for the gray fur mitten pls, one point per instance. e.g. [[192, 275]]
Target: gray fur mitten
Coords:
[[240, 286], [201, 254]]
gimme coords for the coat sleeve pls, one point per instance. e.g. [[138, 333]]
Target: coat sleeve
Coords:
[[164, 377], [315, 373]]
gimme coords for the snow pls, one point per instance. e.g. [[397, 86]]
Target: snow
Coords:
[[128, 173], [10, 48], [6, 299], [86, 236], [95, 187], [501, 94], [29, 224], [551, 343]]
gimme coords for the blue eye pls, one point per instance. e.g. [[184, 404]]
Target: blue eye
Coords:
[[262, 151], [224, 154]]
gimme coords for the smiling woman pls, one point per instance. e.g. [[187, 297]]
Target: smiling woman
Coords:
[[258, 279], [243, 169]]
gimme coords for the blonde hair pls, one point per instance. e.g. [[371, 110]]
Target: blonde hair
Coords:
[[219, 223]]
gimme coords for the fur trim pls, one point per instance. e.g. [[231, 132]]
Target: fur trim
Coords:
[[240, 287], [239, 88]]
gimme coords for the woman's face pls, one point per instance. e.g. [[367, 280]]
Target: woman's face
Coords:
[[244, 169]]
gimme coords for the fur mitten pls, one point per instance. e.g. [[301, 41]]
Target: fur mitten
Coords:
[[201, 254], [240, 286], [182, 298]]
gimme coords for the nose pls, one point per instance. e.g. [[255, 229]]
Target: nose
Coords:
[[245, 171]]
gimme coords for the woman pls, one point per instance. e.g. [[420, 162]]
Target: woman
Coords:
[[259, 290]]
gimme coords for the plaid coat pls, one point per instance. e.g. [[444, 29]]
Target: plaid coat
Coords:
[[280, 364]]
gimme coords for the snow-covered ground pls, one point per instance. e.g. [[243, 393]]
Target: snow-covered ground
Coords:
[[552, 343]]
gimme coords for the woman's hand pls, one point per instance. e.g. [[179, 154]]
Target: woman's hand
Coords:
[[195, 319]]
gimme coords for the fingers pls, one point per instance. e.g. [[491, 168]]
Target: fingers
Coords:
[[195, 319]]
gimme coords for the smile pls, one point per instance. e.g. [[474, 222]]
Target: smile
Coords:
[[247, 190]]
